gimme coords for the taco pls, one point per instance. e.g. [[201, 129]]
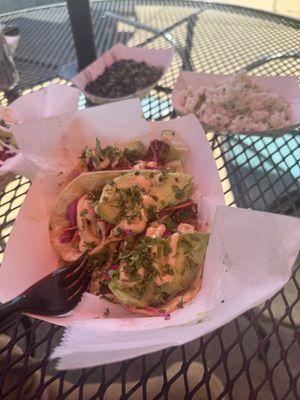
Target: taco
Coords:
[[167, 152], [8, 145], [141, 233]]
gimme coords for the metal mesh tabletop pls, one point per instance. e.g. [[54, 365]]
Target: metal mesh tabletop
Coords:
[[256, 356]]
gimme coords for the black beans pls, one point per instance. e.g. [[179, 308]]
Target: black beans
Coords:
[[123, 78]]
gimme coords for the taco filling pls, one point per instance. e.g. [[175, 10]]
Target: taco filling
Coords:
[[8, 146], [139, 228], [167, 152]]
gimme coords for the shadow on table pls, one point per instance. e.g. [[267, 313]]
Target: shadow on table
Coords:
[[46, 41], [263, 172]]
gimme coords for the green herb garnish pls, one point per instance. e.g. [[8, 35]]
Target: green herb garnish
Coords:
[[90, 245], [151, 212], [83, 212], [179, 193], [131, 155], [106, 313], [180, 303]]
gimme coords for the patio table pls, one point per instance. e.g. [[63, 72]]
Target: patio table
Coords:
[[257, 355]]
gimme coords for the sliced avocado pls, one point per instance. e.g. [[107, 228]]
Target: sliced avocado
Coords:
[[174, 166], [131, 178], [134, 150], [190, 253], [131, 298], [168, 189], [108, 206], [136, 145], [174, 188], [178, 151]]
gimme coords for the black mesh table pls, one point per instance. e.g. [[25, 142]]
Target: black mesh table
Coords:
[[257, 355]]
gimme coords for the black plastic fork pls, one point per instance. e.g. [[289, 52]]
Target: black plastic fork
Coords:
[[55, 294]]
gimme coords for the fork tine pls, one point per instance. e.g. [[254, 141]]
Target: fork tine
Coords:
[[77, 286], [73, 302], [82, 260], [69, 279]]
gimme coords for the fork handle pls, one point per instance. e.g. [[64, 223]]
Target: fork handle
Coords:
[[11, 307]]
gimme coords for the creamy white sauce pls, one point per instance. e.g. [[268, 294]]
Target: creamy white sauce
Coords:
[[141, 272], [140, 165], [173, 241], [174, 165], [160, 280], [185, 228], [148, 201], [137, 225], [152, 164], [104, 163], [171, 260], [133, 180], [124, 282], [156, 231], [86, 223]]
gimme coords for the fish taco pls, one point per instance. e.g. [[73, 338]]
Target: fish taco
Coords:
[[140, 230], [166, 152]]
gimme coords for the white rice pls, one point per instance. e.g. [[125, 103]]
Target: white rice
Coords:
[[237, 105]]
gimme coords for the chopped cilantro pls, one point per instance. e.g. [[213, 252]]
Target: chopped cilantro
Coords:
[[151, 212], [190, 263], [180, 303], [133, 216], [83, 212], [90, 245], [163, 176], [179, 193], [91, 196], [98, 147], [129, 200], [106, 312], [100, 259], [166, 248], [93, 157], [111, 153], [167, 269], [160, 298], [170, 225], [137, 254], [186, 244], [84, 153], [131, 155]]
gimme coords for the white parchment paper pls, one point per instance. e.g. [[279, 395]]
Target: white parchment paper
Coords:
[[52, 100], [250, 255]]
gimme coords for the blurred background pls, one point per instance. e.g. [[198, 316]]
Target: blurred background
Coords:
[[287, 7]]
